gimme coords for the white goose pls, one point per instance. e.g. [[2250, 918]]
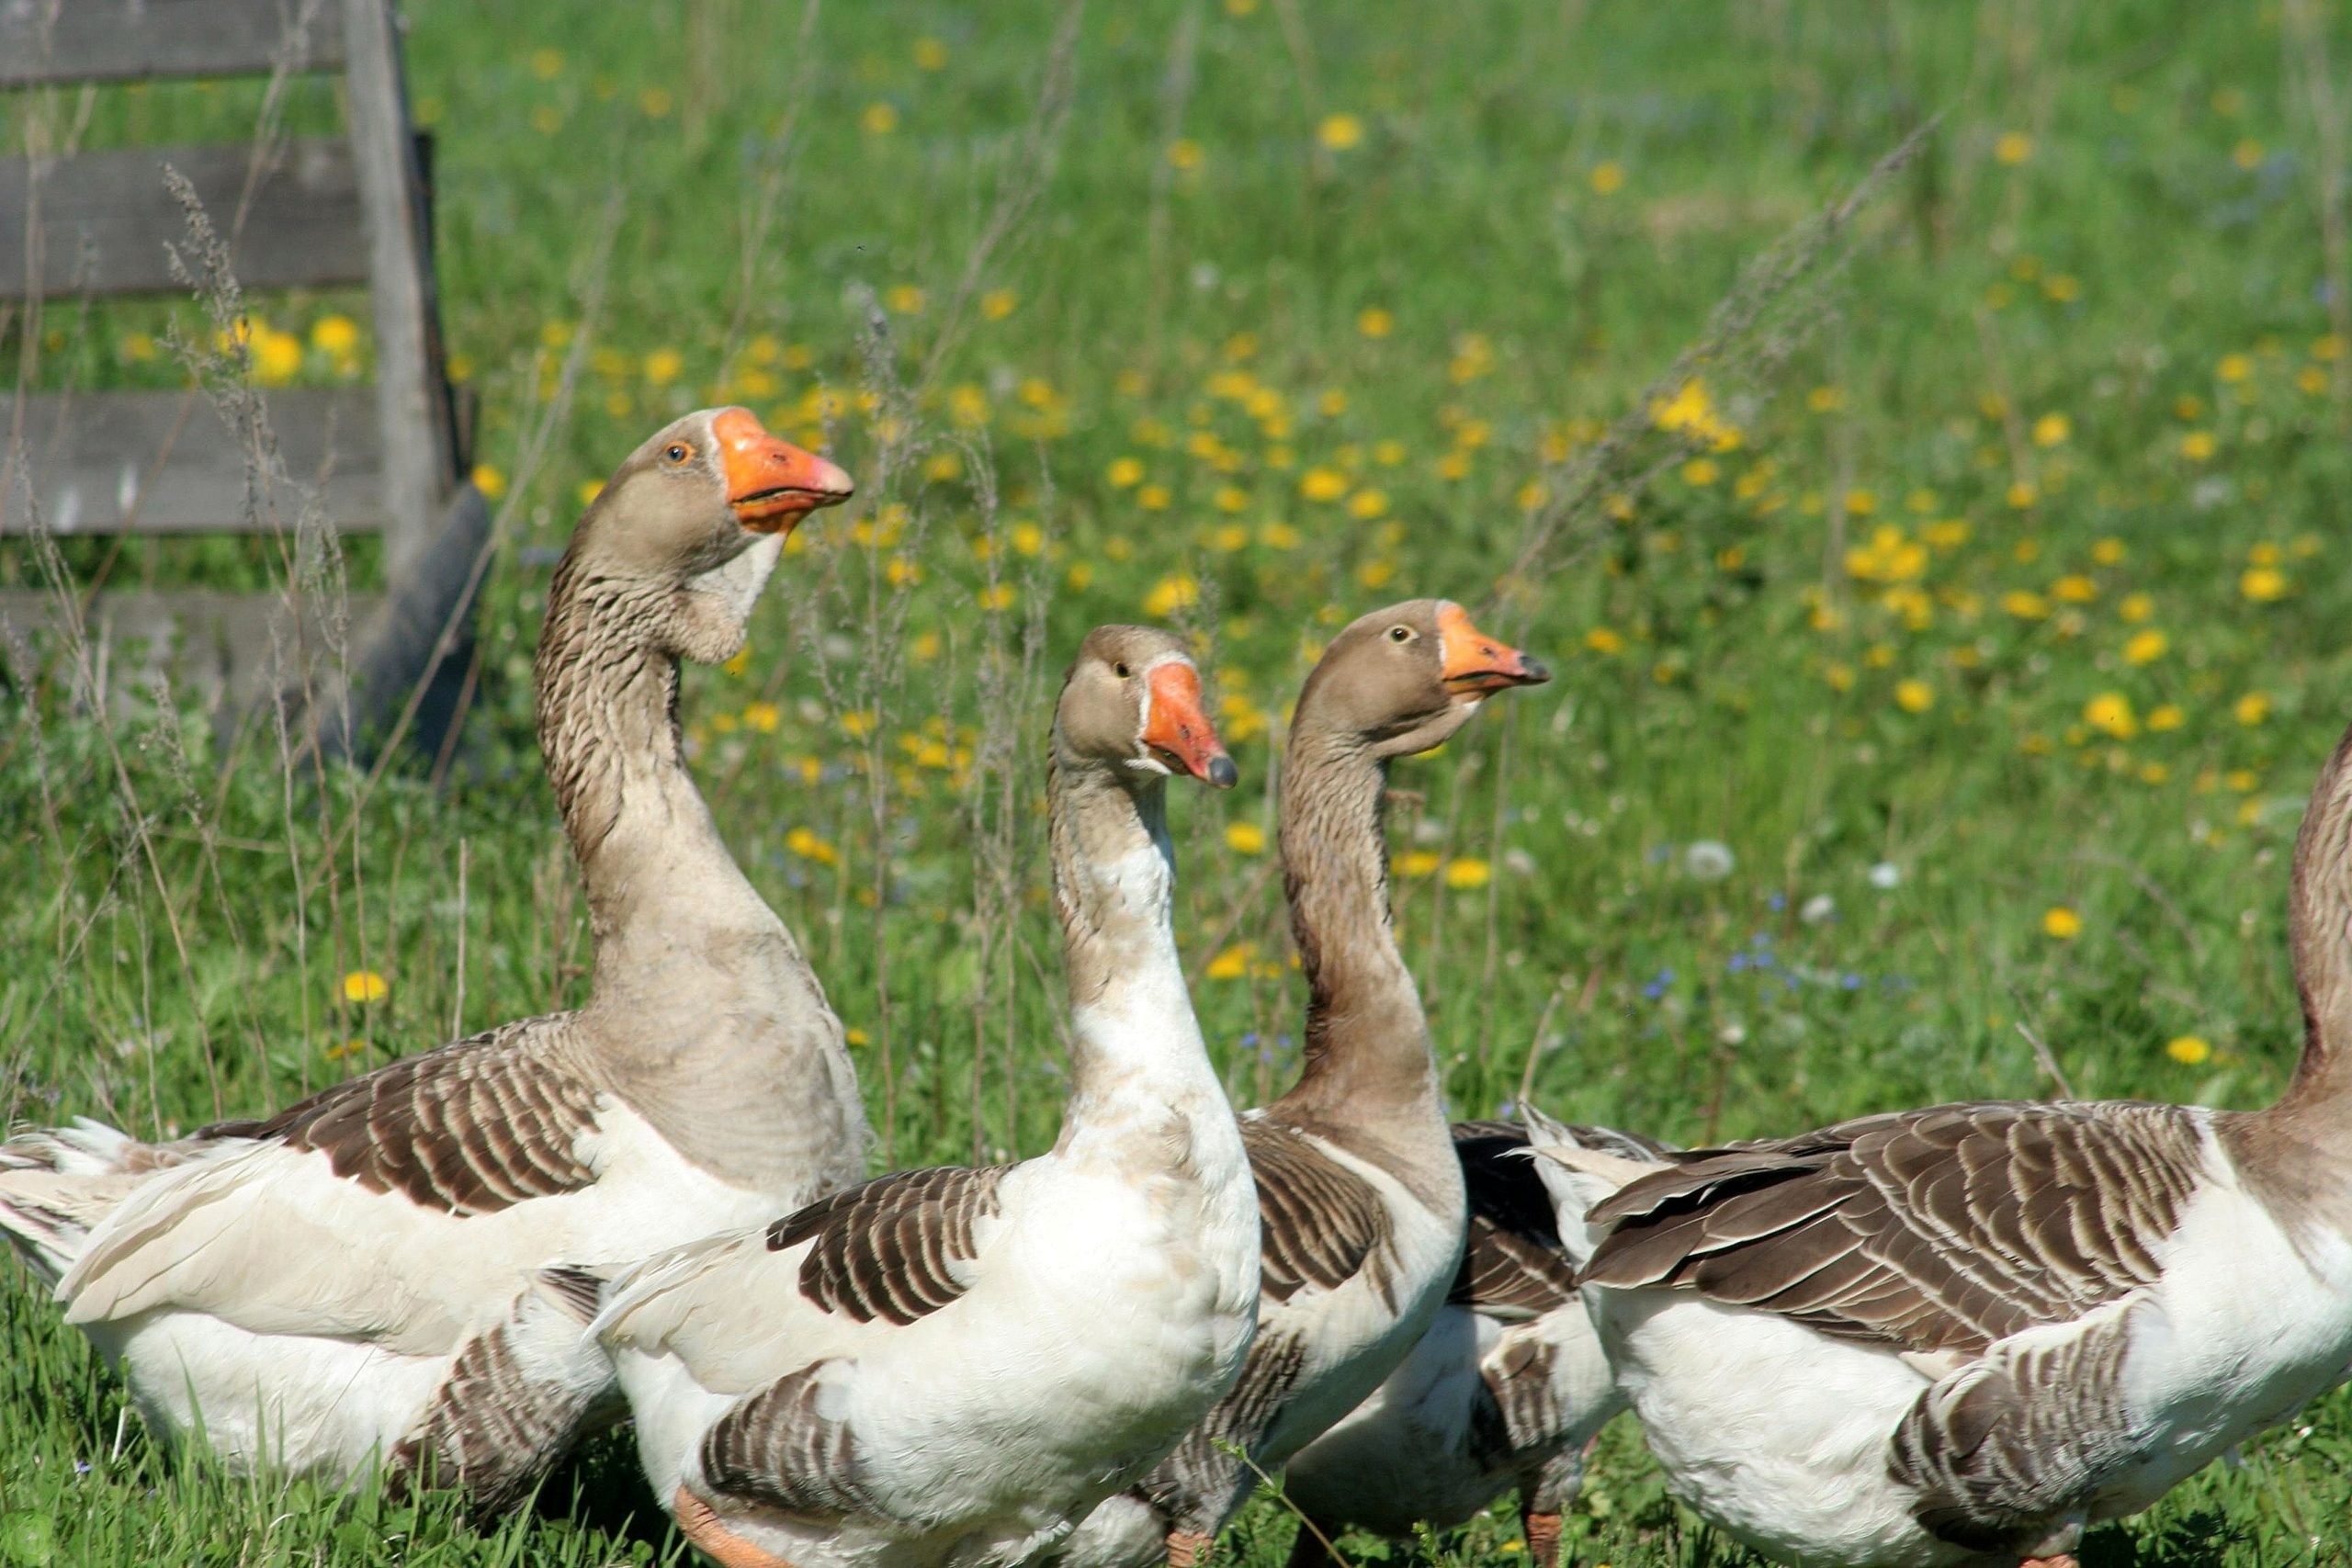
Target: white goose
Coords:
[[1360, 1194], [1960, 1335], [949, 1367], [1506, 1388], [355, 1278]]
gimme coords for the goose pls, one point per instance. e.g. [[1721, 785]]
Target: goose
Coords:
[[949, 1367], [1506, 1388], [1359, 1195], [361, 1278], [1963, 1334]]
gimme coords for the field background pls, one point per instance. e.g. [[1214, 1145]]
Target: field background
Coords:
[[1942, 655]]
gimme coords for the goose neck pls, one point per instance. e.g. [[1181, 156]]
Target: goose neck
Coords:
[[1367, 1044], [1135, 1047]]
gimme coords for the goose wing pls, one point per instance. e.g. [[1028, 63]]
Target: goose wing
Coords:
[[1514, 1265], [1943, 1229], [1320, 1225], [743, 1309], [343, 1214]]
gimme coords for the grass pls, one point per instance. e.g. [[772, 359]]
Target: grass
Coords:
[[1980, 601]]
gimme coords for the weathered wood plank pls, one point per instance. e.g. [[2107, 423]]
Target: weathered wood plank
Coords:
[[412, 392], [119, 41], [167, 462], [224, 651], [99, 221]]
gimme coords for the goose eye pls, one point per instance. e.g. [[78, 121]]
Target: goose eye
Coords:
[[1400, 634], [1120, 669], [677, 452]]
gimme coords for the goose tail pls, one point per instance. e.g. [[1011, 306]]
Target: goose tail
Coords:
[[58, 1183]]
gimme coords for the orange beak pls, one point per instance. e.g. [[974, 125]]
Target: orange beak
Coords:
[[1179, 730], [1474, 664], [772, 484]]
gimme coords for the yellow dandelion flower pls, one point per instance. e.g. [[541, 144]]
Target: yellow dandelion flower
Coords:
[[1245, 838], [2197, 445], [2235, 368], [1171, 595], [546, 65], [1184, 154], [1601, 639], [2061, 922], [1232, 964], [278, 356], [1125, 473], [2110, 714], [2053, 430], [804, 842], [2263, 584], [1466, 872], [880, 118], [2013, 148], [655, 102], [999, 303], [906, 299], [2188, 1050], [336, 334], [1340, 131], [1368, 505], [1373, 322], [1913, 695], [1700, 472], [362, 987], [853, 1036], [2073, 588], [1153, 498], [2025, 605], [929, 54], [1416, 863], [2166, 715], [663, 365], [2252, 708], [2145, 646], [1323, 485], [490, 481], [1607, 178]]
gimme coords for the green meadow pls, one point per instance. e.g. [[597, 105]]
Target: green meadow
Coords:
[[1938, 552]]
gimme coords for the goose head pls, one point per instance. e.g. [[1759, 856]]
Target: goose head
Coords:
[[1402, 680], [1132, 706], [687, 530]]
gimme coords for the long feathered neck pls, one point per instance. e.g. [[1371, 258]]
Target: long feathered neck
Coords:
[[1136, 1045], [2319, 922], [608, 728], [1368, 1052]]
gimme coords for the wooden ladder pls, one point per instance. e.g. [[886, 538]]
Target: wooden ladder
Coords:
[[387, 458]]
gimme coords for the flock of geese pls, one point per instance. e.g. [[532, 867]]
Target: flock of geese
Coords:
[[1950, 1336]]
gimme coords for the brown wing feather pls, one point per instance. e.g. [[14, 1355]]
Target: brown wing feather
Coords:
[[1940, 1229], [1512, 1258], [1319, 1222], [473, 1127], [774, 1448], [891, 1248]]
